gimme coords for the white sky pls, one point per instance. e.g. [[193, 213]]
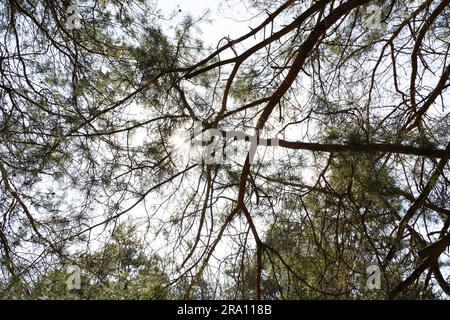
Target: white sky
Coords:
[[228, 18]]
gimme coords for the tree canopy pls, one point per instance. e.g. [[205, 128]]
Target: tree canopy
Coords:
[[327, 123]]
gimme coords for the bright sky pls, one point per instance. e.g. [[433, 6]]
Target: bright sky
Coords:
[[227, 18]]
